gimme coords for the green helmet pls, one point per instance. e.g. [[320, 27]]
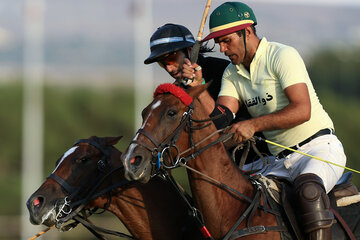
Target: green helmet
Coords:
[[230, 17]]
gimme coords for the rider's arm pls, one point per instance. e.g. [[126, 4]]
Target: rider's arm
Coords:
[[296, 112], [189, 72]]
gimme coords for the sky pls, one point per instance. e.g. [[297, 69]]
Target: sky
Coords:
[[97, 36]]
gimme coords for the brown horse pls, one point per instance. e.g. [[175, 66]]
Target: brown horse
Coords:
[[172, 129], [91, 175]]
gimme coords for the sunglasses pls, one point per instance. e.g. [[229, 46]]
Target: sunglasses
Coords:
[[168, 59]]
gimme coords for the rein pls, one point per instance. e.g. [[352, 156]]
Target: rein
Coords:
[[195, 213], [173, 137], [90, 195]]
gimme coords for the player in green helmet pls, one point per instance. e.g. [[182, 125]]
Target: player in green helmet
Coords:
[[271, 80]]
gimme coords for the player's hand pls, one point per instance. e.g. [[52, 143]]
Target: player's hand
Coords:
[[242, 130], [192, 71]]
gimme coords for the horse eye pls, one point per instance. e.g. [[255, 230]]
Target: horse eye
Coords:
[[171, 113], [82, 160]]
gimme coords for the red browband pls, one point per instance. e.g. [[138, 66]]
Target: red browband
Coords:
[[174, 90]]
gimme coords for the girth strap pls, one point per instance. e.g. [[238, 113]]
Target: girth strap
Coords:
[[249, 212], [244, 215]]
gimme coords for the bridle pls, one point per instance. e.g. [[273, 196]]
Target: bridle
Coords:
[[169, 142], [160, 148], [70, 209]]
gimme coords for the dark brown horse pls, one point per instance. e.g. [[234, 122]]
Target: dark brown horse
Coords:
[[228, 200], [91, 174]]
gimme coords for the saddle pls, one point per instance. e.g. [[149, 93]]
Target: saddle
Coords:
[[344, 199], [344, 193]]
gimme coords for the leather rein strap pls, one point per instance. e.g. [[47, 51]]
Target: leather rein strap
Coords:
[[195, 213], [95, 229]]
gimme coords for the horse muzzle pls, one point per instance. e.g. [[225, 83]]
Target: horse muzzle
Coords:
[[40, 212], [137, 161]]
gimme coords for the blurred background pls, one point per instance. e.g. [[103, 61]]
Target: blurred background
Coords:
[[73, 69]]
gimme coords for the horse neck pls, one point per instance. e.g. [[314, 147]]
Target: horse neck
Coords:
[[149, 211], [214, 202], [214, 161], [152, 211]]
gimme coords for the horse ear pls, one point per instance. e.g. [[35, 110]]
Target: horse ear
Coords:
[[195, 91], [112, 140]]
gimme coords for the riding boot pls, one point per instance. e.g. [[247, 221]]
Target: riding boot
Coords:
[[316, 216]]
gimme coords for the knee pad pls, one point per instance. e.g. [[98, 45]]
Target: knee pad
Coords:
[[314, 202]]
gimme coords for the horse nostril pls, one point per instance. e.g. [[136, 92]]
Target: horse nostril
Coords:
[[136, 160], [38, 202]]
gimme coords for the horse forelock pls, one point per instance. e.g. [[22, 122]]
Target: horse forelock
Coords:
[[174, 90]]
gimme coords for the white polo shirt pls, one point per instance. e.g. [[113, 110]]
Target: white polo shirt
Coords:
[[275, 67]]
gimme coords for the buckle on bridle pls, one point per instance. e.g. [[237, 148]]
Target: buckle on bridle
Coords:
[[171, 163], [101, 165]]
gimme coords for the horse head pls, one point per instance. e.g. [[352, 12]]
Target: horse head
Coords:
[[164, 120], [78, 176]]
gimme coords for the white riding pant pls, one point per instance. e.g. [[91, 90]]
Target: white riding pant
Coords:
[[326, 147]]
